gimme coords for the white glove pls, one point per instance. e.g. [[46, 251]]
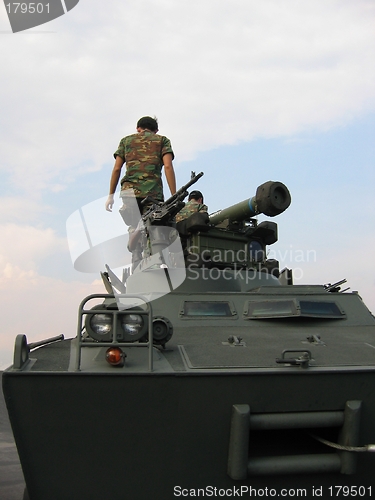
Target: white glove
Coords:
[[109, 203]]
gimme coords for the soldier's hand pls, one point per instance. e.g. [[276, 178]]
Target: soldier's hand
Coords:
[[109, 203]]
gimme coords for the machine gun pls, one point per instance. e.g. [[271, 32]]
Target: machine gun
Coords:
[[161, 214], [153, 234]]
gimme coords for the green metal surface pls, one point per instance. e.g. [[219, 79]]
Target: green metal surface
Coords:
[[236, 379]]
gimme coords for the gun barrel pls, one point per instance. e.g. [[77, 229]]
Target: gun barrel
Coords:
[[272, 198], [182, 191], [194, 179]]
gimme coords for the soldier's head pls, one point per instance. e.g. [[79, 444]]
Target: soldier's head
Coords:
[[146, 122], [197, 196]]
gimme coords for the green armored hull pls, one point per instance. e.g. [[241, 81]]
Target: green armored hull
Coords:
[[236, 383]]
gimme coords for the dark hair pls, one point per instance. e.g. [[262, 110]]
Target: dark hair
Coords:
[[195, 195], [149, 123]]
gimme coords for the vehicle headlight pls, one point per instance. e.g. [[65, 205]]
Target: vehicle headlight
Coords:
[[99, 326], [132, 326]]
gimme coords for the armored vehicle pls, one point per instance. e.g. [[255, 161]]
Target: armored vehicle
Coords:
[[204, 373]]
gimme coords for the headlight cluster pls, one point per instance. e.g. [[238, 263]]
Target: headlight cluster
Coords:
[[130, 326]]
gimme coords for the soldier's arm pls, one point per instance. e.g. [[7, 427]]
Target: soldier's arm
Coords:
[[116, 172], [169, 172]]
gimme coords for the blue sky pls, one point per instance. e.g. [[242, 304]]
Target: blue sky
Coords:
[[247, 91]]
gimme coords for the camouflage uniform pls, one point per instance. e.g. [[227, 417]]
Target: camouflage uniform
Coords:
[[190, 208], [143, 153]]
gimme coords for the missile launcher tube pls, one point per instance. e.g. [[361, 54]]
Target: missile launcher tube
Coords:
[[271, 199]]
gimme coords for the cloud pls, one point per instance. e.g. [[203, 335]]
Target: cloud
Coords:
[[40, 307], [32, 303], [22, 249], [21, 210], [214, 73]]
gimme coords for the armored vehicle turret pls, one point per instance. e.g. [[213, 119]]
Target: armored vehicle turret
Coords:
[[232, 237], [204, 372]]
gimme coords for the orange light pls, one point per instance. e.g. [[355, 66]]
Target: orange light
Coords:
[[115, 356]]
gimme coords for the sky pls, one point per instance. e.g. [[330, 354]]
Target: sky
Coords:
[[247, 91]]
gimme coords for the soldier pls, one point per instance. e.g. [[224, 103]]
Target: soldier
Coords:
[[145, 153], [195, 204]]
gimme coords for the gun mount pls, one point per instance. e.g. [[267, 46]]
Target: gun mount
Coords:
[[232, 237], [155, 230], [163, 213]]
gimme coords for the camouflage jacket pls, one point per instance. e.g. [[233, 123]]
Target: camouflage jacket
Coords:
[[143, 153], [190, 208]]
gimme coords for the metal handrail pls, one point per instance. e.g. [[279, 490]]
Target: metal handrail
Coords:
[[115, 312]]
